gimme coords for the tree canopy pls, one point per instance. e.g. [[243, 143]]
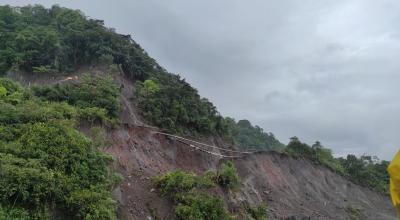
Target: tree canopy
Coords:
[[53, 40], [57, 39], [365, 170], [46, 164]]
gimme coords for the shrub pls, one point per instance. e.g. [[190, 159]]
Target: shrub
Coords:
[[198, 206], [3, 92], [46, 163], [90, 204], [257, 212], [92, 92], [353, 212], [208, 179], [176, 182], [43, 69], [16, 213], [228, 176], [183, 188], [93, 115], [106, 59]]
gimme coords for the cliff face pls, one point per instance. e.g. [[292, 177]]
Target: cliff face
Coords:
[[299, 189], [292, 188]]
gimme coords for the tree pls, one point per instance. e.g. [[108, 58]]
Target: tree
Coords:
[[150, 87], [3, 92], [46, 163]]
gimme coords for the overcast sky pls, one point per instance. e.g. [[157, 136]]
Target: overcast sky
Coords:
[[320, 70]]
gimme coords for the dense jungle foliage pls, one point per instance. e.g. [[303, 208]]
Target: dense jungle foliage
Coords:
[[365, 170], [46, 165], [40, 40]]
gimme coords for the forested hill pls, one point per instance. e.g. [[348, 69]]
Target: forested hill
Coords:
[[49, 167], [38, 40]]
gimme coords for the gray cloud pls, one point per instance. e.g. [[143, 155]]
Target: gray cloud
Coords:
[[320, 70]]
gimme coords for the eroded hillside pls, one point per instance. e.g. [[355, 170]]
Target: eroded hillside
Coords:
[[291, 188], [131, 102]]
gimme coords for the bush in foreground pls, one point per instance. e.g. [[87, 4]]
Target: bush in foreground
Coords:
[[46, 164], [195, 206], [191, 203], [227, 175]]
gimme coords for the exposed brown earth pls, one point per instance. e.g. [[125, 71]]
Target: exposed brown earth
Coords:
[[292, 188]]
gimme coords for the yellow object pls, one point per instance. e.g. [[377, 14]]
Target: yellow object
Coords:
[[394, 172]]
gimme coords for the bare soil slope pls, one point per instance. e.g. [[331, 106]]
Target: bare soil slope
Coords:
[[298, 189], [292, 188]]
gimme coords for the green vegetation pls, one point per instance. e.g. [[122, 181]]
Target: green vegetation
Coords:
[[170, 103], [16, 213], [96, 98], [46, 165], [91, 94], [172, 183], [247, 136], [353, 212], [176, 182], [40, 40], [256, 212], [365, 171], [227, 175], [317, 153], [186, 189], [200, 206]]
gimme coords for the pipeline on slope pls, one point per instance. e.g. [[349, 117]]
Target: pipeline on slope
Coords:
[[192, 142]]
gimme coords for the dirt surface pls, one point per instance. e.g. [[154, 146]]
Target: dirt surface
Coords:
[[140, 155], [292, 188], [298, 189]]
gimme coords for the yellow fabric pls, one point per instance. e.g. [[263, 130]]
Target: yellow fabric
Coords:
[[394, 172]]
